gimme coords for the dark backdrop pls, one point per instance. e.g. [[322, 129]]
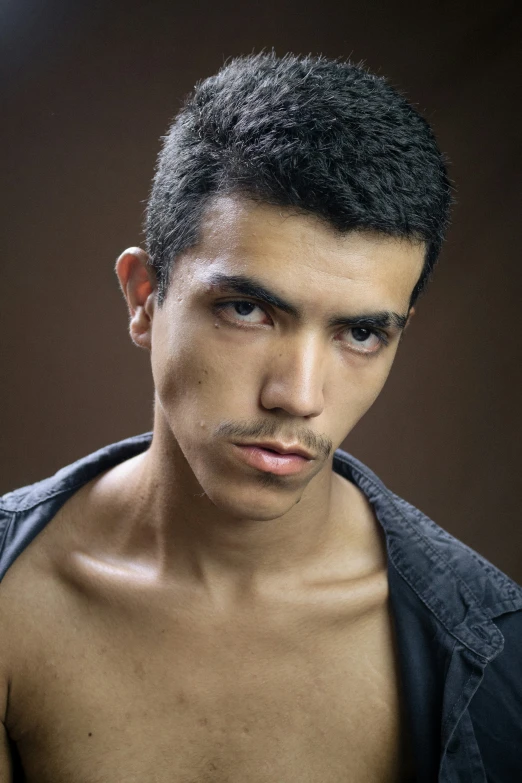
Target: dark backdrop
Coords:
[[88, 90]]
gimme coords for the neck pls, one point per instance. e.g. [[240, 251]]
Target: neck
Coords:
[[165, 519]]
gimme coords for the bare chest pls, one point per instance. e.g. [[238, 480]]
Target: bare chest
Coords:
[[113, 693]]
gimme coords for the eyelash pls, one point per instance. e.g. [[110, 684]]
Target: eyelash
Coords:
[[381, 336]]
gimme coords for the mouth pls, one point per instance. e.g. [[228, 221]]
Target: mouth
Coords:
[[281, 448], [268, 460]]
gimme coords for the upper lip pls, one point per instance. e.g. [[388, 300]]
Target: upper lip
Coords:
[[281, 448]]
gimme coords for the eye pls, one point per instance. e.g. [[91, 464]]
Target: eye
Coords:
[[364, 339], [241, 311]]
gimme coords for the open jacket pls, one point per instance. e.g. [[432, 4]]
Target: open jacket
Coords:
[[458, 622]]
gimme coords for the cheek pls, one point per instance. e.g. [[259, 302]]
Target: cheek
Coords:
[[193, 372], [362, 385]]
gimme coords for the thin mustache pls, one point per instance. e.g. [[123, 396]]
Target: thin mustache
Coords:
[[264, 432]]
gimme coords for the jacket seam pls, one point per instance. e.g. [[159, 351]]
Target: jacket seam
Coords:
[[11, 515], [426, 540], [44, 498], [450, 715], [47, 495], [444, 624], [485, 565]]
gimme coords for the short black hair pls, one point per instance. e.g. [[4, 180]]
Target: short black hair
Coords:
[[325, 137]]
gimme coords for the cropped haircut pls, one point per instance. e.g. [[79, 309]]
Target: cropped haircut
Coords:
[[323, 137]]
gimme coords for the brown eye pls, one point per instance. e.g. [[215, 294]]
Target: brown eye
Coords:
[[364, 340], [360, 334], [243, 308], [242, 312]]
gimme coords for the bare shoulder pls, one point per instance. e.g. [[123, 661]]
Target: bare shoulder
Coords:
[[5, 637], [30, 595], [32, 590], [5, 760], [24, 602], [7, 658], [29, 582]]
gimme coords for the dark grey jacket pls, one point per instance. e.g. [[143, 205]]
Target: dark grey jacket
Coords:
[[458, 621]]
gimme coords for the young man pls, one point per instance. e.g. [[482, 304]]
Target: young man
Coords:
[[232, 597]]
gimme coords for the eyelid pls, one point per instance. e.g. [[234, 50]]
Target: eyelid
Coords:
[[262, 306], [218, 306], [381, 335]]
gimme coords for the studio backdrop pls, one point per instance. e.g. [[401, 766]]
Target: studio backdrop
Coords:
[[89, 88]]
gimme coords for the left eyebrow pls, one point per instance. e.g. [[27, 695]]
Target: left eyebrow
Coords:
[[250, 286]]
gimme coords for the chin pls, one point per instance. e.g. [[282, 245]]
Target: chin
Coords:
[[259, 504], [244, 494]]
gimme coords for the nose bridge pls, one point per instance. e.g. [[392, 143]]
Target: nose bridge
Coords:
[[295, 375]]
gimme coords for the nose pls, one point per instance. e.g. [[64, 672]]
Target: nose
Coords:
[[295, 376]]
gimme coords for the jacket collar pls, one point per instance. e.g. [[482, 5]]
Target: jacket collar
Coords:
[[458, 586]]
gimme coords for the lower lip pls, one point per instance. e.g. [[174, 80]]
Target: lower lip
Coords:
[[270, 462]]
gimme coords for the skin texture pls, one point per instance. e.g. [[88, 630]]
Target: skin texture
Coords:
[[185, 617], [262, 373]]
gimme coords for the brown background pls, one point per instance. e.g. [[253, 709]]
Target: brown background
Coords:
[[88, 90]]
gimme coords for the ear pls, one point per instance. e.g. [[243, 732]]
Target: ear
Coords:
[[411, 313], [138, 285]]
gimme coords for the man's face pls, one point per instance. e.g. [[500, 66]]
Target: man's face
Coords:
[[230, 368]]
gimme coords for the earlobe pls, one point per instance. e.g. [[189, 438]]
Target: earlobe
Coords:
[[140, 328]]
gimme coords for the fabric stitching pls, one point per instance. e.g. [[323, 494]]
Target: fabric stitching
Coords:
[[417, 532], [10, 517], [436, 556]]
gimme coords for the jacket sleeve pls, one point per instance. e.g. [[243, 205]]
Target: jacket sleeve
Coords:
[[496, 708]]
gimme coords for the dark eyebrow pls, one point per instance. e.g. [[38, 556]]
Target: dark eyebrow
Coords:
[[249, 286]]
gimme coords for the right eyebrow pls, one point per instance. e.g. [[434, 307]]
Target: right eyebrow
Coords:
[[251, 286]]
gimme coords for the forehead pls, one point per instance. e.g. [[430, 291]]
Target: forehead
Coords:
[[302, 256]]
